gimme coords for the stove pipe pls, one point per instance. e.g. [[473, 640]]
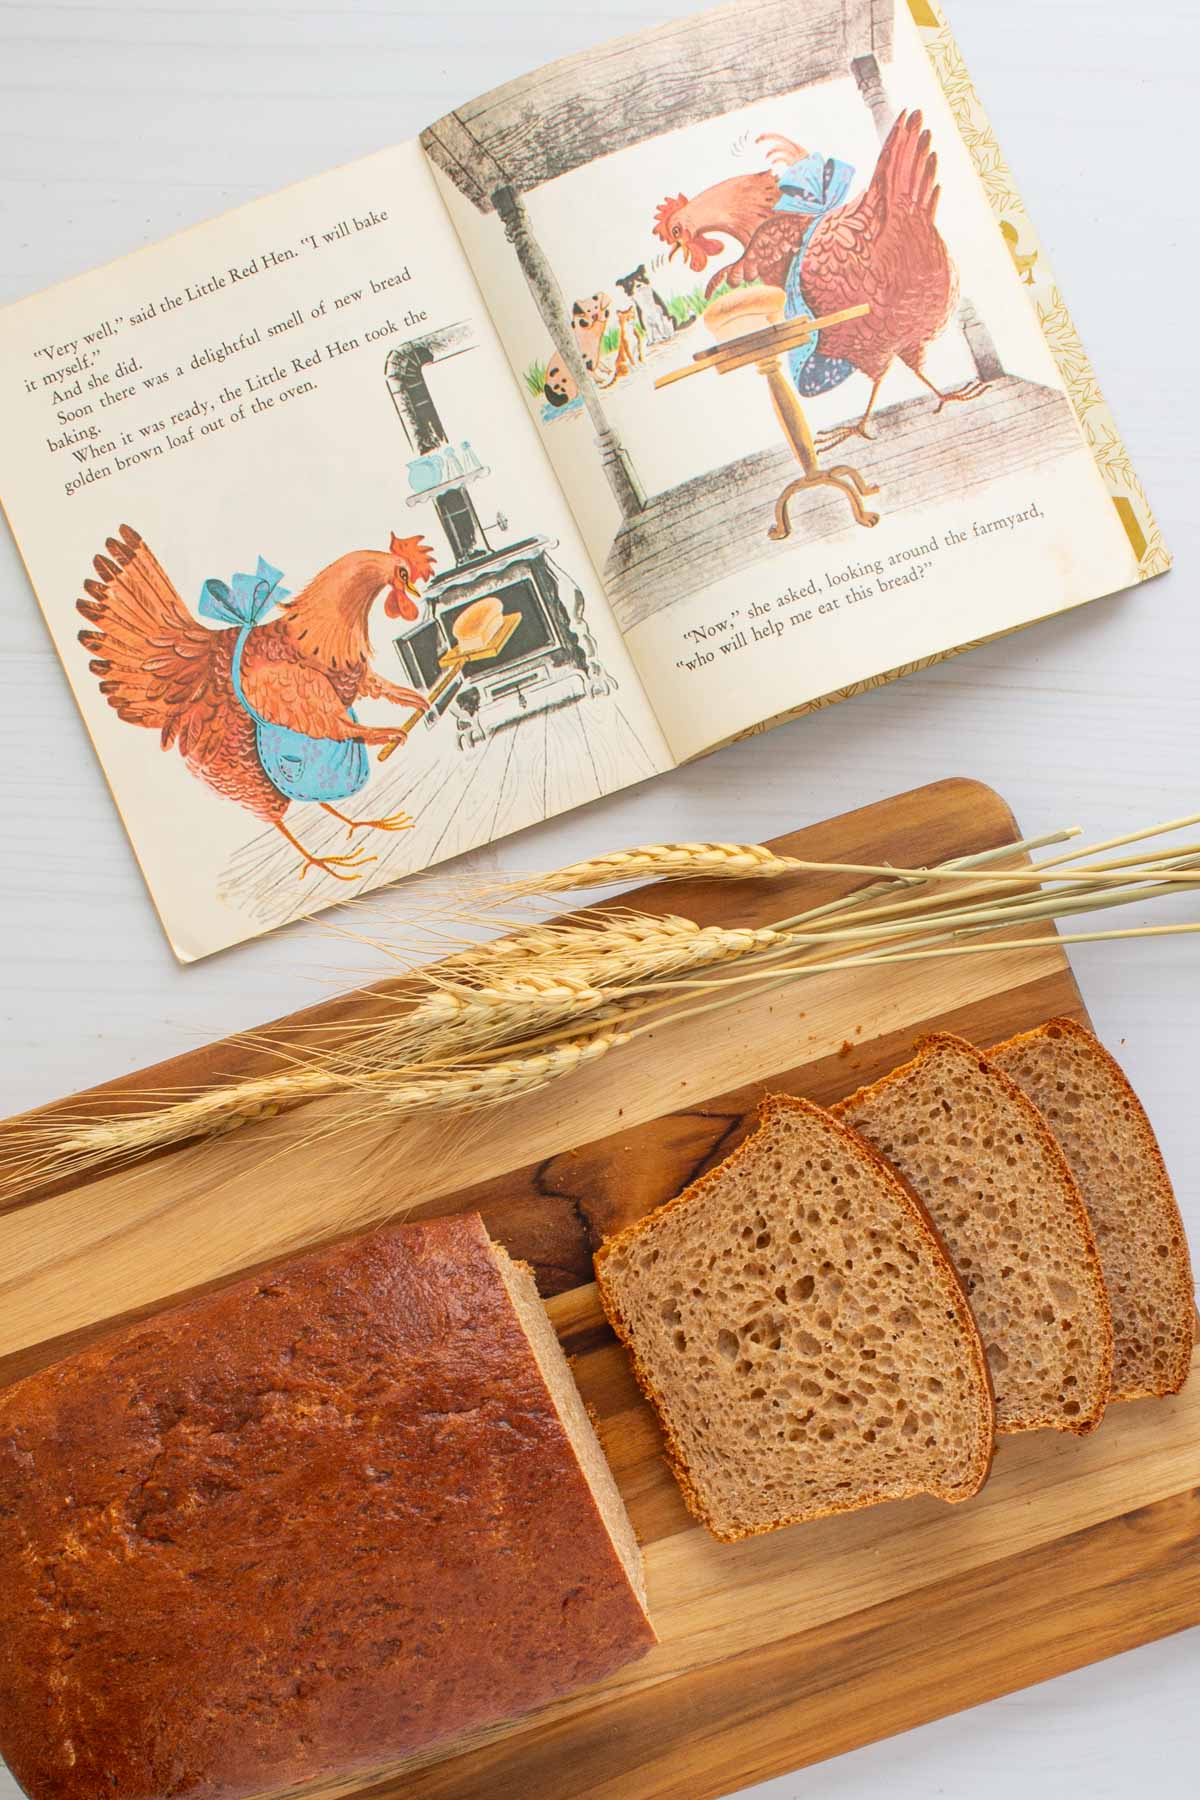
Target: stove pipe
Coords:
[[413, 401]]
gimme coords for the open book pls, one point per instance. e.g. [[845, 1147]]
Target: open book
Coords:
[[672, 390]]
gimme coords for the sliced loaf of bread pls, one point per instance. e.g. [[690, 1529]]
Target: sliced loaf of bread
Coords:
[[986, 1165], [1115, 1159], [799, 1328]]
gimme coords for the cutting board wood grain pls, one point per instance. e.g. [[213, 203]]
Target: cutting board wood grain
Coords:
[[777, 1652]]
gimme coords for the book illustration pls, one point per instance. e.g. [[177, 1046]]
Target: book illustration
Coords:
[[815, 254], [552, 382], [629, 352], [500, 647], [454, 463], [655, 318], [1024, 261], [591, 320], [755, 335], [771, 266], [257, 688], [614, 337], [798, 231], [996, 180], [261, 711], [548, 658], [910, 383]]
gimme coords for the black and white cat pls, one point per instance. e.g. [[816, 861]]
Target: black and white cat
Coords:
[[658, 324]]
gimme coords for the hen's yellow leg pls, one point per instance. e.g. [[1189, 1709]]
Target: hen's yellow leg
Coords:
[[398, 821], [971, 390], [840, 434], [352, 865]]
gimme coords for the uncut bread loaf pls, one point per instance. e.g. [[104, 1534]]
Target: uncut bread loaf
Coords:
[[985, 1163], [797, 1325], [317, 1520], [1115, 1159]]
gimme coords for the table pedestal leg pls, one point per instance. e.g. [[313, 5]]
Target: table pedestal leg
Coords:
[[794, 424]]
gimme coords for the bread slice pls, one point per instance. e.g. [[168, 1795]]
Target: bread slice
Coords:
[[801, 1332], [1115, 1159], [986, 1165]]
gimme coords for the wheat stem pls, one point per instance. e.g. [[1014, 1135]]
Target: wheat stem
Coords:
[[1168, 829], [779, 978], [1033, 906], [675, 862], [506, 1017], [852, 901]]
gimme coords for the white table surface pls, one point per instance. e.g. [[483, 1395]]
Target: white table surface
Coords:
[[123, 122]]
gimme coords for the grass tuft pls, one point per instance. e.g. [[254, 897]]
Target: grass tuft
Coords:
[[535, 378]]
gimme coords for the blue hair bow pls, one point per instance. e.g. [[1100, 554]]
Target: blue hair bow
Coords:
[[247, 599]]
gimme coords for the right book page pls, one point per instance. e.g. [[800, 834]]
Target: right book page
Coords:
[[797, 356]]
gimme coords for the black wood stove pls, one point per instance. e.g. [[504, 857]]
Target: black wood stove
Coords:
[[549, 659]]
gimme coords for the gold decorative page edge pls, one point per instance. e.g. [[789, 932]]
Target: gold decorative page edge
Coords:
[[1058, 328]]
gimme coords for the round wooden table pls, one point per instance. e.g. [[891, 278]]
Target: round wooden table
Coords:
[[764, 351]]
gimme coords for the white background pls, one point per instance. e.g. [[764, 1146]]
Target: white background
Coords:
[[120, 123]]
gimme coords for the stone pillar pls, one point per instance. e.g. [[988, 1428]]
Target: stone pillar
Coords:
[[548, 298], [979, 342], [870, 86]]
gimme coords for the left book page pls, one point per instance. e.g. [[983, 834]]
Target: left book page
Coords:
[[317, 592]]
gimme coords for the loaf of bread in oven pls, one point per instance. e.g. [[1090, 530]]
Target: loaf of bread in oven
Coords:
[[302, 1526]]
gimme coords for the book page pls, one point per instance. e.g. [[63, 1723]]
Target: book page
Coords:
[[324, 609], [786, 361]]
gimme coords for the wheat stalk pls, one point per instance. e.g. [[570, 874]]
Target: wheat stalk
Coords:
[[741, 862], [463, 1087], [501, 1019], [513, 988], [408, 1088], [661, 862], [611, 947]]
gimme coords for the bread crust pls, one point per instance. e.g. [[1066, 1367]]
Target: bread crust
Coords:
[[317, 1520], [1152, 1151], [1072, 1198], [909, 1202]]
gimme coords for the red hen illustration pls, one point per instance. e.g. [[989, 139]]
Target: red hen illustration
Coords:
[[883, 248], [237, 703]]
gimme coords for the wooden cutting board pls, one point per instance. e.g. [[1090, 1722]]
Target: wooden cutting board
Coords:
[[777, 1652]]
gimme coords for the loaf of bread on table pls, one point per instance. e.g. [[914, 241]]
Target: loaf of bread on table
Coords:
[[796, 1323], [1114, 1156], [316, 1521], [986, 1164]]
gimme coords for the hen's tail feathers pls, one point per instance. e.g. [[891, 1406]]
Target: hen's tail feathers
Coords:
[[906, 173], [152, 657], [782, 151]]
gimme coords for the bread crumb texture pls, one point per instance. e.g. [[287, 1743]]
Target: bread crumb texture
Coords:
[[1114, 1156], [983, 1160], [806, 1344]]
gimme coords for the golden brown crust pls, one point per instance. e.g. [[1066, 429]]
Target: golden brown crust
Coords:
[[1073, 1200], [1156, 1165], [908, 1201], [314, 1521]]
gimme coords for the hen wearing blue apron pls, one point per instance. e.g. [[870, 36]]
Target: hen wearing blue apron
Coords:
[[298, 766], [814, 185]]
